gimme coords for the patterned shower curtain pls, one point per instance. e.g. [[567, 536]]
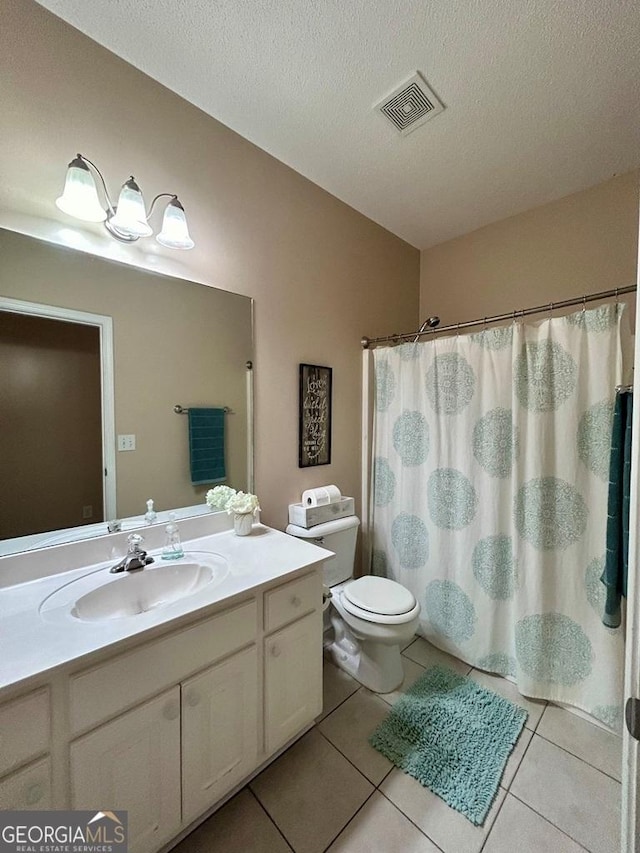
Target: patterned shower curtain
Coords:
[[491, 458]]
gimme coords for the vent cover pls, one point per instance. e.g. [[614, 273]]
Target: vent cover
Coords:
[[410, 105]]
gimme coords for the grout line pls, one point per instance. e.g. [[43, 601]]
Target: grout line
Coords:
[[526, 749], [342, 701], [346, 757], [264, 809], [579, 757], [501, 806], [406, 816], [359, 809], [535, 811]]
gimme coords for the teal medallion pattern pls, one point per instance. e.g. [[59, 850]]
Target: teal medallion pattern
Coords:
[[409, 352], [594, 438], [499, 662], [410, 540], [610, 715], [594, 588], [450, 610], [595, 319], [411, 438], [496, 442], [494, 339], [384, 482], [545, 376], [549, 513], [379, 563], [451, 383], [451, 498], [552, 648], [385, 385], [494, 566]]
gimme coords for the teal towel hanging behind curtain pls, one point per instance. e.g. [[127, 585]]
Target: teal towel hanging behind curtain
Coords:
[[206, 446], [614, 576]]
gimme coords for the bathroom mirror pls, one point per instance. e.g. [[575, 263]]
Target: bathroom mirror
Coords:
[[175, 342]]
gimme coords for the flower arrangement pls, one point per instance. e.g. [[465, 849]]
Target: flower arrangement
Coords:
[[235, 503]]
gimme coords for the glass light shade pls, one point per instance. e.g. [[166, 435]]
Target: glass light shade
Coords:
[[80, 196], [175, 234], [130, 218]]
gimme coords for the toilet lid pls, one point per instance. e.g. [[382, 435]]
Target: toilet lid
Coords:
[[379, 595]]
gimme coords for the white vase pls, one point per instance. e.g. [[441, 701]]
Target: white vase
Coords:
[[242, 523]]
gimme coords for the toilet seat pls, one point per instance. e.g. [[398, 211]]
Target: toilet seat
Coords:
[[379, 600]]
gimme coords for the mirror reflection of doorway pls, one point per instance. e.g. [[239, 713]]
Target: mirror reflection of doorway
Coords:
[[51, 461]]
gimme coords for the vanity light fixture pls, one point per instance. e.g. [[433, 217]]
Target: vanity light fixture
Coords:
[[128, 220]]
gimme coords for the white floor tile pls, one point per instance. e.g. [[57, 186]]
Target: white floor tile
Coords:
[[238, 826], [518, 828], [426, 655], [311, 792], [508, 689], [348, 728], [592, 743], [448, 828], [336, 687], [580, 800], [380, 828]]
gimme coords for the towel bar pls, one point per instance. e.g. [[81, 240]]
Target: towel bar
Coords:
[[179, 410]]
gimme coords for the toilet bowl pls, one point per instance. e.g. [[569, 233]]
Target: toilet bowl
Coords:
[[371, 617]]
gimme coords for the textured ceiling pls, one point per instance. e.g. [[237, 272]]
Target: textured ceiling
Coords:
[[542, 96]]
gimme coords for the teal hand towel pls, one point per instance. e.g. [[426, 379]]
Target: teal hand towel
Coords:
[[206, 445], [614, 576]]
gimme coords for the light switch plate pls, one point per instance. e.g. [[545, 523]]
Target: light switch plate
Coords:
[[126, 442]]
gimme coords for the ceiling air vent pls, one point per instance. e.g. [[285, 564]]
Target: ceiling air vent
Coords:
[[410, 105]]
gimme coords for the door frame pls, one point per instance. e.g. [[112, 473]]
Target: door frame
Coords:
[[104, 325]]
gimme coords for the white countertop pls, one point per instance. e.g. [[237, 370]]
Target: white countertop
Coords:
[[32, 642]]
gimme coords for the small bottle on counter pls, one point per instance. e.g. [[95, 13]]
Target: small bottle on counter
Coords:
[[150, 515], [172, 545]]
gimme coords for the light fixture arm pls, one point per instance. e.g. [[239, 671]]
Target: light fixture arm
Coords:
[[102, 181], [160, 195]]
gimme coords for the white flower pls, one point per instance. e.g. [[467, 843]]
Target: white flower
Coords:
[[217, 497], [241, 503]]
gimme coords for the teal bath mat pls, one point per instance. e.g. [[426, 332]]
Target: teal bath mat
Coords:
[[454, 737]]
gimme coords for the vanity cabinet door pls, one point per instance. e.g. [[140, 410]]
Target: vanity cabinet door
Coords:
[[219, 731], [133, 763], [29, 788], [293, 679]]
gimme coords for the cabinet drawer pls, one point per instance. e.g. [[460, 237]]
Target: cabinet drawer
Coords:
[[292, 600], [107, 689], [24, 729], [27, 789]]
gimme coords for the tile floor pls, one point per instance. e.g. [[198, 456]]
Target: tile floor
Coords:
[[331, 791]]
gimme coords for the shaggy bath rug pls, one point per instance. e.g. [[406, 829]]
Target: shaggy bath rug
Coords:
[[454, 737]]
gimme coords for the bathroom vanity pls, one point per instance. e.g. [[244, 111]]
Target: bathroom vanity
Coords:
[[164, 711]]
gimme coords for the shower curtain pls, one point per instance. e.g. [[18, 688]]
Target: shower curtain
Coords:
[[491, 458]]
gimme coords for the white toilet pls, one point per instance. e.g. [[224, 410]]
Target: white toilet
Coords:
[[371, 617]]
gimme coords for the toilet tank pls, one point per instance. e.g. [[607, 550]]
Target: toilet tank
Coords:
[[338, 536]]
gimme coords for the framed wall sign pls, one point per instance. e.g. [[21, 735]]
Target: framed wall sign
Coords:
[[314, 438]]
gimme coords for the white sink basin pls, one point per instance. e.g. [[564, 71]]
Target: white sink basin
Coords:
[[102, 596]]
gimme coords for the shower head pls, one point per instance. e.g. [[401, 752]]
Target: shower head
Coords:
[[430, 323]]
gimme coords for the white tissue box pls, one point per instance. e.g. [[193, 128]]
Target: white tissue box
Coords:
[[309, 516]]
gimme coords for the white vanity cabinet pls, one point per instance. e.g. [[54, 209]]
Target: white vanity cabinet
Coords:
[[24, 735], [133, 763], [292, 659], [168, 727], [219, 731]]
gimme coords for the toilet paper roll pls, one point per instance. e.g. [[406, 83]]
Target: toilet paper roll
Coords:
[[321, 496]]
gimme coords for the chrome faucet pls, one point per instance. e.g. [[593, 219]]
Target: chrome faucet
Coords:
[[135, 558]]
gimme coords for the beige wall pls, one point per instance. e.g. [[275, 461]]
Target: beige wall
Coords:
[[51, 424], [174, 342], [583, 243], [322, 275]]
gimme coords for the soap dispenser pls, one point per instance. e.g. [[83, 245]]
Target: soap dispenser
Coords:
[[150, 515], [172, 546]]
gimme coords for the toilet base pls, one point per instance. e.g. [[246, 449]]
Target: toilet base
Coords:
[[377, 666]]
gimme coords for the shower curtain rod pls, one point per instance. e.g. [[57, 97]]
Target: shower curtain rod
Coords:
[[367, 343]]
